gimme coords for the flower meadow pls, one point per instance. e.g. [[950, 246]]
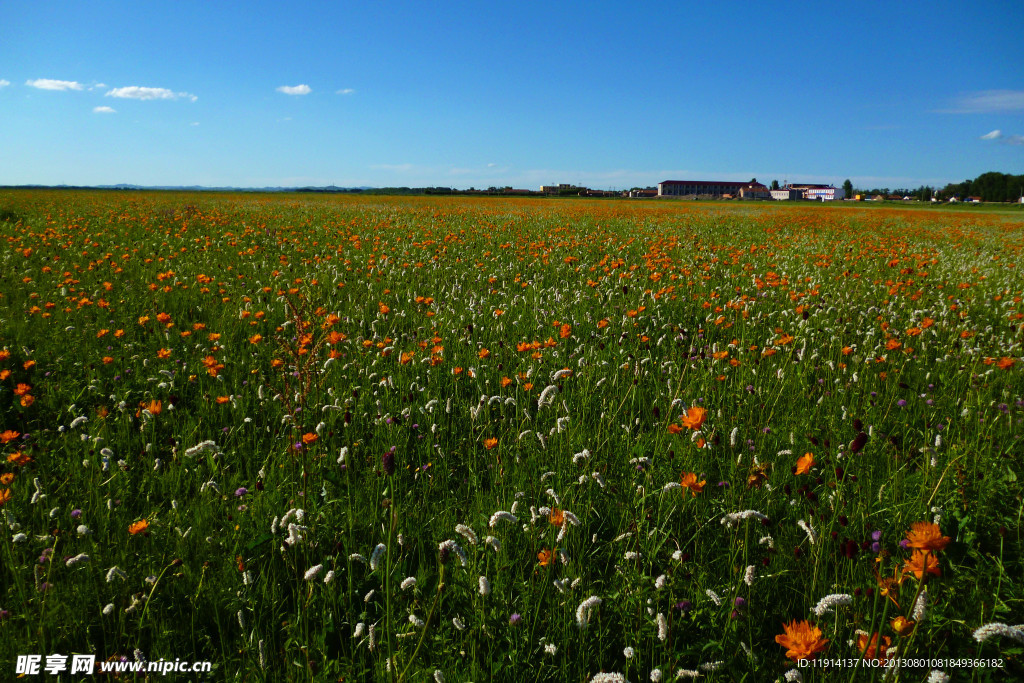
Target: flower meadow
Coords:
[[466, 439]]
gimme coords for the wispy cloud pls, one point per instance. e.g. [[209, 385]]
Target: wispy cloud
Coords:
[[301, 89], [987, 101], [998, 136], [4, 83], [104, 110], [51, 84], [345, 91], [137, 92]]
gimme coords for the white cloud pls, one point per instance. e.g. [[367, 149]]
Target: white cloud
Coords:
[[51, 84], [104, 110], [987, 101], [994, 135], [4, 83], [345, 91], [302, 89], [136, 92], [1013, 140]]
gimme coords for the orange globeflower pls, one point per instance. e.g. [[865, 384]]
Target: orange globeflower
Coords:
[[689, 481], [309, 438], [921, 563], [926, 536], [870, 647], [490, 443], [19, 458], [802, 640], [138, 527], [695, 417], [805, 463]]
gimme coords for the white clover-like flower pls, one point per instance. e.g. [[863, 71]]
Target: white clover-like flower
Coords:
[[828, 603], [313, 572], [81, 558], [584, 610], [376, 555], [502, 515], [116, 572], [662, 627], [467, 533], [714, 597], [485, 586], [999, 629], [812, 535], [409, 582]]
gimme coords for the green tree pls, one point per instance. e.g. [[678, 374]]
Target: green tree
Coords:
[[775, 184], [848, 188]]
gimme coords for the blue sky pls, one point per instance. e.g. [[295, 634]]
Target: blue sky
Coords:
[[604, 94]]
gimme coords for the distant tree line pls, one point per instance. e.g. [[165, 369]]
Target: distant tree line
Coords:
[[991, 187]]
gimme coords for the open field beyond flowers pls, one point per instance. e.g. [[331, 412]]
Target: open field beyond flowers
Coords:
[[355, 438]]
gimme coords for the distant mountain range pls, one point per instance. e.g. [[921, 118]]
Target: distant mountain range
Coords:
[[195, 188]]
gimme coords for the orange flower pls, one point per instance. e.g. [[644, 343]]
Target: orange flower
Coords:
[[564, 331], [9, 435], [922, 562], [138, 527], [27, 400], [29, 364], [557, 517], [926, 536], [689, 481], [383, 308], [22, 389], [784, 339], [694, 417], [1005, 363], [6, 478], [223, 399], [19, 458], [805, 463], [163, 354], [870, 647], [505, 381], [107, 360], [5, 495], [490, 443], [405, 358], [544, 557], [802, 640], [847, 350], [892, 345], [256, 339], [901, 625], [601, 324], [483, 353], [309, 438], [674, 428]]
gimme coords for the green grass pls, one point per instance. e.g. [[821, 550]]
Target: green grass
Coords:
[[795, 328]]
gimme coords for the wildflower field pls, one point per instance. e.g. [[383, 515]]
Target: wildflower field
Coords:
[[360, 438]]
